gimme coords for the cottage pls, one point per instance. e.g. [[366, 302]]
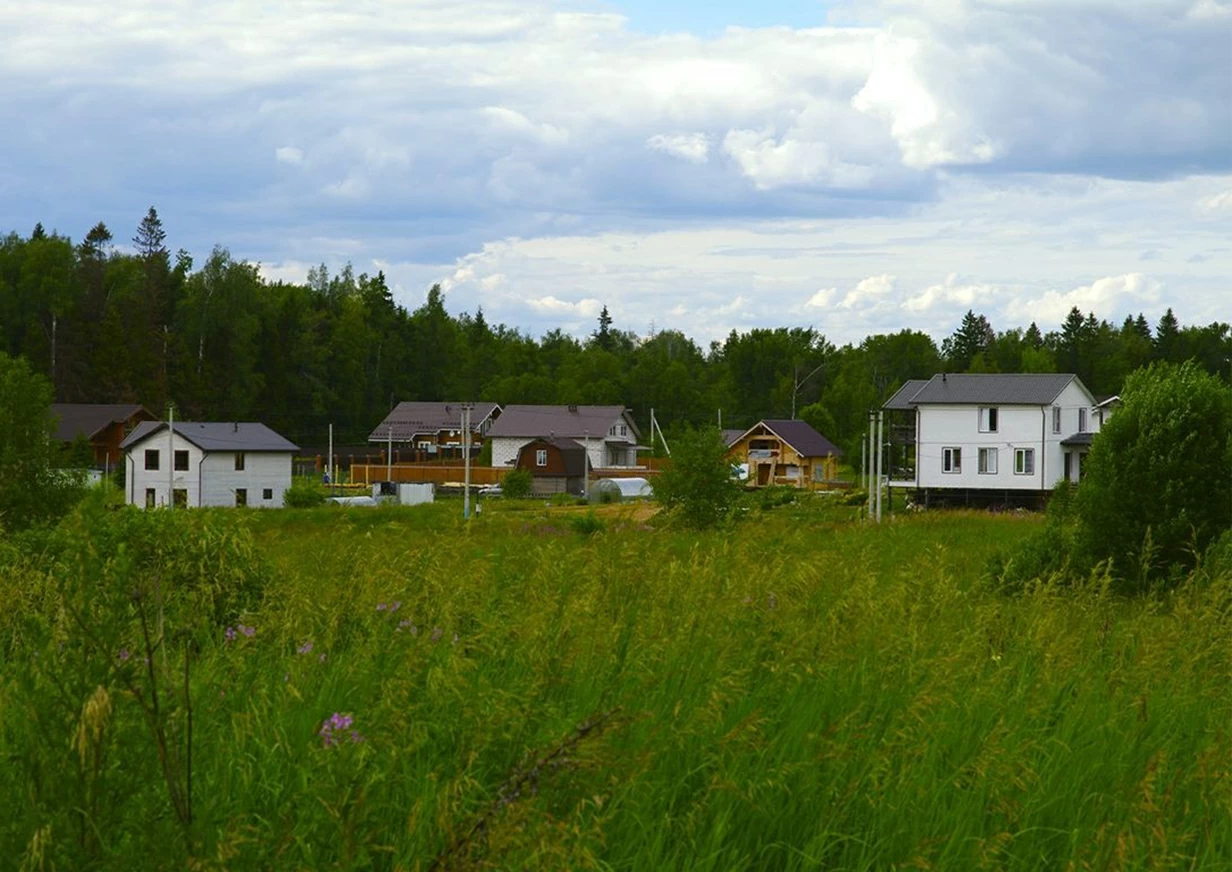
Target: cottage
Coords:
[[999, 434], [556, 466], [103, 425], [206, 464], [785, 452], [607, 433], [428, 431]]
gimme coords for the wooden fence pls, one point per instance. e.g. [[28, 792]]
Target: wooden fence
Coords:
[[480, 475]]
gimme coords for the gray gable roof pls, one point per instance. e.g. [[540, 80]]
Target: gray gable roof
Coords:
[[86, 419], [801, 436], [216, 436], [409, 420], [572, 422], [1011, 389], [901, 401], [731, 437]]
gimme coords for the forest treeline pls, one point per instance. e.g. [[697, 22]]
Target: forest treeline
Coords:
[[224, 343]]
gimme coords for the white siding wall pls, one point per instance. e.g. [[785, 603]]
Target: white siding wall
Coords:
[[505, 449], [1017, 427], [261, 470], [138, 478], [211, 479]]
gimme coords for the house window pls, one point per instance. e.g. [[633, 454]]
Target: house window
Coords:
[[951, 460], [612, 432], [988, 461], [181, 461], [1024, 461], [241, 496], [424, 446], [180, 495], [624, 430], [151, 458], [1056, 419], [988, 419], [151, 498], [239, 461], [541, 457], [1082, 420], [267, 494]]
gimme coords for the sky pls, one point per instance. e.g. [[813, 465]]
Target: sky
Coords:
[[856, 166]]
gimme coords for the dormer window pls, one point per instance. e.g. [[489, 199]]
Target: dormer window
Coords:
[[988, 419], [1082, 420]]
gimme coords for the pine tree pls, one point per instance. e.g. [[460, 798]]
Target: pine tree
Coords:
[[973, 337], [603, 336], [1033, 337], [1168, 338]]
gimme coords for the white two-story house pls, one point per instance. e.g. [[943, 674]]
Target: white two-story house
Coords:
[[606, 432], [997, 432], [206, 464]]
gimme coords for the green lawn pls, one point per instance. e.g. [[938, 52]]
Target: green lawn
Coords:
[[796, 692]]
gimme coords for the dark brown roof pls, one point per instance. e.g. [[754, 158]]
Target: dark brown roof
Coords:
[[409, 420], [574, 422], [216, 435], [86, 419], [573, 454], [801, 436]]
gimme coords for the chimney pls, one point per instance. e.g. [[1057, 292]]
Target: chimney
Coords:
[[573, 408], [235, 428]]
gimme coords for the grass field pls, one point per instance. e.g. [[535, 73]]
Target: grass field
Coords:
[[796, 692]]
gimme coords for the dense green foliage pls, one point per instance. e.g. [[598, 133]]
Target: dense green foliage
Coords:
[[697, 486], [1156, 489], [31, 490], [807, 694], [225, 343], [304, 493], [517, 484], [1157, 486]]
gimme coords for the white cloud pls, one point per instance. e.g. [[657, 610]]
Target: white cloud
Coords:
[[951, 291], [1209, 10], [1216, 203], [289, 154], [587, 308], [869, 291], [1109, 297], [512, 121], [823, 299], [693, 147]]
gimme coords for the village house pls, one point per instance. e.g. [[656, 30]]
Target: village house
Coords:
[[433, 431], [607, 433], [992, 435], [786, 452], [206, 464], [556, 466], [103, 425]]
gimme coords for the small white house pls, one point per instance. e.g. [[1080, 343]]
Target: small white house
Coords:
[[606, 432], [998, 432], [206, 464]]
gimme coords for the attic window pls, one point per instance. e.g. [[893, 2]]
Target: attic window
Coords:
[[541, 457], [1056, 419], [988, 419], [624, 430], [1082, 420]]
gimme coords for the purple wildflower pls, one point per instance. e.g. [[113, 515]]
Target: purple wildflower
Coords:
[[336, 724], [397, 604], [407, 624], [247, 631], [305, 648], [230, 634], [124, 655], [380, 607], [437, 632]]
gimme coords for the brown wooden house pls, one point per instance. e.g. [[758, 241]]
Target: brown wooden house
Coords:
[[104, 425], [556, 465], [787, 452]]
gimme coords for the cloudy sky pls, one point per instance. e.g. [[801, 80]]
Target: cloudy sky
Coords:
[[701, 164]]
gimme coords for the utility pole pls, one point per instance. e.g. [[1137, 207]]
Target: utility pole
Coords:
[[389, 454], [863, 464], [880, 439], [870, 464], [171, 456], [798, 383], [466, 459], [586, 461], [329, 461]]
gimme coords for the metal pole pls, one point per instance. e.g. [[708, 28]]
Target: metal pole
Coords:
[[880, 465], [329, 461], [870, 465], [171, 456], [389, 455], [586, 464], [466, 462], [863, 464]]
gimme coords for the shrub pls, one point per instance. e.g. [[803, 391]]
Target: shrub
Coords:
[[1154, 491], [697, 486], [303, 493], [776, 495], [587, 524], [517, 484]]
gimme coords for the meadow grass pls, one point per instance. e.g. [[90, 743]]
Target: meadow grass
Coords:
[[794, 692]]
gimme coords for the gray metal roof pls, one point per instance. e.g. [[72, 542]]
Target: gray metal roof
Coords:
[[731, 437], [86, 419], [216, 436], [409, 420], [801, 436], [1011, 389], [1078, 439], [901, 401], [572, 422]]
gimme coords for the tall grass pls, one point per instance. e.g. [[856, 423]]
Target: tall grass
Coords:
[[786, 694]]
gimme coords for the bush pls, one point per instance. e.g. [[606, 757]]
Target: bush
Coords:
[[517, 484], [1049, 551], [775, 496], [697, 486], [1154, 492], [303, 493], [587, 524]]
